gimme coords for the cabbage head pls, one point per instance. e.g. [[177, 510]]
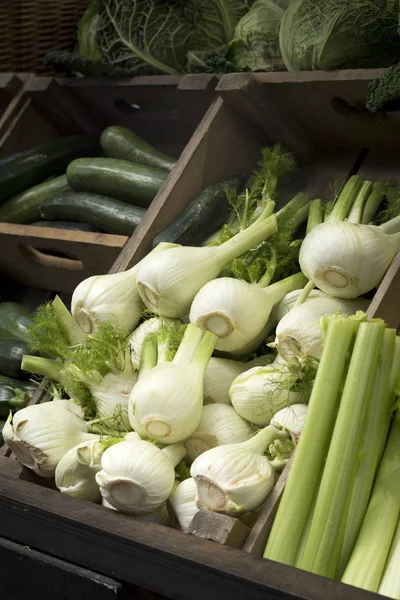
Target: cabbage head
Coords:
[[340, 34], [256, 41]]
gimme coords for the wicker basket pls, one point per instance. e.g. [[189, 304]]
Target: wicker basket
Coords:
[[28, 28]]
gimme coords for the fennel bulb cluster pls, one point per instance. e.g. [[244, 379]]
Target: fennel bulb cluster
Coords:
[[76, 472], [166, 404], [183, 502], [168, 282], [136, 477], [113, 297], [219, 424], [236, 478], [237, 312], [260, 392], [346, 259], [299, 331], [41, 434]]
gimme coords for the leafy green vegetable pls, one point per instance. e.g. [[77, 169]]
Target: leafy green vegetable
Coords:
[[87, 32], [216, 22], [146, 36], [337, 34], [72, 63], [256, 43], [385, 89]]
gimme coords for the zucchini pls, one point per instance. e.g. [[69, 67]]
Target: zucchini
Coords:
[[70, 225], [122, 143], [2, 423], [12, 398], [111, 216], [119, 179], [28, 386], [24, 208], [15, 321], [207, 212], [11, 353], [26, 169]]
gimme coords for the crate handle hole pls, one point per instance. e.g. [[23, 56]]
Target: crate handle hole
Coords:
[[47, 258], [151, 107]]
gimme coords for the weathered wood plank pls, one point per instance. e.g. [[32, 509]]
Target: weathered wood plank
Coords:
[[222, 529]]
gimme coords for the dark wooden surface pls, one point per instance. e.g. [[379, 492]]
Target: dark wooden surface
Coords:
[[147, 555], [27, 574]]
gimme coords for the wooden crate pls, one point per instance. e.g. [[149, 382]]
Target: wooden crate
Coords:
[[164, 110], [9, 86], [253, 111]]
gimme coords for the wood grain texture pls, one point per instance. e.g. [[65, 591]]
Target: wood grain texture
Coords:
[[162, 560], [223, 529], [86, 254]]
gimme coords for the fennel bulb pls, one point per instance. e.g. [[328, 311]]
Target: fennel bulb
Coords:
[[136, 477], [236, 477], [183, 502], [76, 472], [220, 374], [259, 393], [40, 434], [104, 298], [347, 259], [289, 301], [168, 282], [153, 325], [166, 403], [299, 331], [219, 424], [237, 311], [292, 418], [112, 397]]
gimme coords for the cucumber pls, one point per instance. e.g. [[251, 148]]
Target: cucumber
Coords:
[[122, 143], [119, 179], [26, 169], [70, 225], [11, 353], [24, 208], [207, 212], [111, 216], [15, 321]]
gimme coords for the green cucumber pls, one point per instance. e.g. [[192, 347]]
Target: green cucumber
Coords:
[[15, 321], [26, 169], [119, 179], [70, 225], [122, 143], [111, 216], [24, 208], [207, 212], [11, 353], [28, 386]]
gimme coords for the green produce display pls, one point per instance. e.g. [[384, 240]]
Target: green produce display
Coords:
[[105, 213], [122, 143], [24, 169], [25, 207], [208, 210], [15, 321], [129, 182], [11, 353]]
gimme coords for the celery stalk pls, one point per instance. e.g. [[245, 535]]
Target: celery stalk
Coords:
[[374, 436], [390, 583], [309, 457], [367, 562], [322, 551], [345, 199]]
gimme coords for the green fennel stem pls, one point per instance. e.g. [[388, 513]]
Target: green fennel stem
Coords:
[[296, 209], [369, 556], [306, 291], [374, 435], [43, 366], [390, 583], [308, 462], [189, 345], [373, 202], [259, 231], [148, 355], [316, 214], [75, 333], [321, 554], [205, 350], [345, 199], [328, 209], [392, 226], [357, 210]]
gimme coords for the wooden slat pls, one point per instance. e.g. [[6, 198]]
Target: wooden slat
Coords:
[[222, 529], [88, 254], [163, 560], [26, 573]]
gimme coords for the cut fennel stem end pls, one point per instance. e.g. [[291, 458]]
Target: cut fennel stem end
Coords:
[[168, 283], [289, 523]]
